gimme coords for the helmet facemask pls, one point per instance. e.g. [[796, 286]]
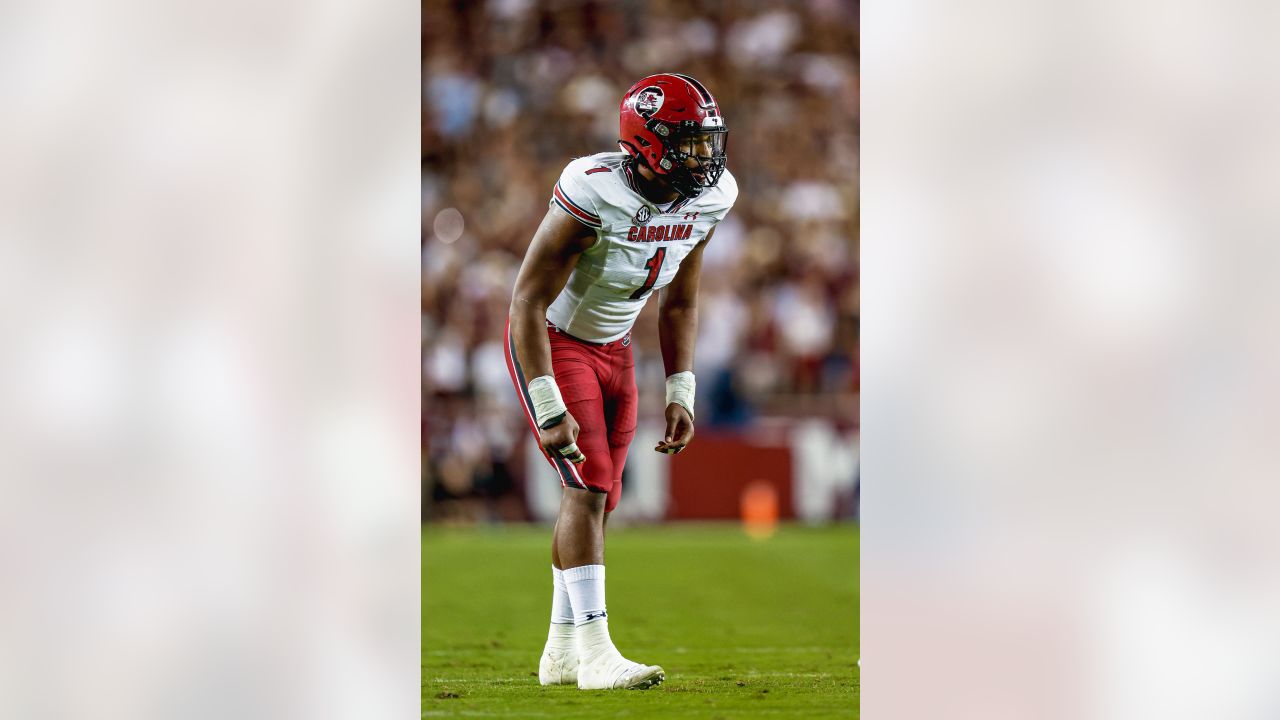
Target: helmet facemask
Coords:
[[706, 145]]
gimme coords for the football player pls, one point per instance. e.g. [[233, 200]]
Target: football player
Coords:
[[621, 226]]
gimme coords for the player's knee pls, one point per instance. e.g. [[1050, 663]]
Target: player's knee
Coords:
[[622, 438], [586, 501]]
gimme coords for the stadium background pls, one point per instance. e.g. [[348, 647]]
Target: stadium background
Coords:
[[512, 90]]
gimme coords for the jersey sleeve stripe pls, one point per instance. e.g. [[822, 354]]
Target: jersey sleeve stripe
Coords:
[[574, 213], [564, 197], [570, 207]]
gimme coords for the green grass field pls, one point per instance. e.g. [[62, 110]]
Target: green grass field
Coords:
[[744, 628]]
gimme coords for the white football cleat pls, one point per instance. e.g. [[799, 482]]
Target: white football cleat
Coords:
[[611, 671], [559, 663], [558, 668], [602, 667]]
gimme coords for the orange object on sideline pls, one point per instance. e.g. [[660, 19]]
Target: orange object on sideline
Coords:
[[759, 505]]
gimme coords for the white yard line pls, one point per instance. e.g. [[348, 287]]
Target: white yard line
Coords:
[[519, 714], [784, 674], [790, 649], [485, 680], [532, 679]]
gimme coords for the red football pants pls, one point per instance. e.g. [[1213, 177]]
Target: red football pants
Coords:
[[598, 384]]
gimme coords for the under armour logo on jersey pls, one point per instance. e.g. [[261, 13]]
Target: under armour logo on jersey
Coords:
[[592, 616], [643, 215]]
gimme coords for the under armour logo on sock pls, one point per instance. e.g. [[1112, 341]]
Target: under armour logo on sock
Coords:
[[592, 616]]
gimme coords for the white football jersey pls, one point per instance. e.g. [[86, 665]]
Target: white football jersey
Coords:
[[638, 248]]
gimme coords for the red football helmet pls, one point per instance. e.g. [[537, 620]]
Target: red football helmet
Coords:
[[668, 120]]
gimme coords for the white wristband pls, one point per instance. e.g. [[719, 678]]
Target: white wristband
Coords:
[[548, 406], [680, 390]]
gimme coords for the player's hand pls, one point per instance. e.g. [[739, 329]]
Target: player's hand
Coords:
[[679, 430], [561, 440]]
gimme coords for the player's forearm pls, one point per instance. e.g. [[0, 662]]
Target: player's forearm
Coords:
[[677, 334], [529, 337]]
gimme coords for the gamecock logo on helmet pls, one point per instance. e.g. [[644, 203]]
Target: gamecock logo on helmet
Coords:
[[649, 100]]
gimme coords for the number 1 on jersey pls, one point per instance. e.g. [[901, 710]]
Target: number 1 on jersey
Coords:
[[655, 265]]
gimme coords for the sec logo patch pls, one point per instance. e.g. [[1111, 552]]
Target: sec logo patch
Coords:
[[643, 215]]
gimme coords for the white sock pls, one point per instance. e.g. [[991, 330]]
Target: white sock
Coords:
[[586, 593], [592, 641], [561, 608], [562, 638]]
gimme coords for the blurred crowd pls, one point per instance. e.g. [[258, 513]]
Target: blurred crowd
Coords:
[[514, 89]]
